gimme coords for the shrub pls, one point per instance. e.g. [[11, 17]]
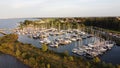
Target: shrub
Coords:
[[44, 47]]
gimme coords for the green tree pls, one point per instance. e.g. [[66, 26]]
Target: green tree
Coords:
[[88, 64], [32, 61], [44, 47], [9, 38], [96, 60], [48, 65], [43, 65], [66, 53], [71, 58], [104, 64], [18, 53], [65, 58], [110, 65], [24, 55]]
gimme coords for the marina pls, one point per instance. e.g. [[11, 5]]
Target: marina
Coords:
[[50, 36], [60, 34], [76, 39], [94, 49], [55, 38]]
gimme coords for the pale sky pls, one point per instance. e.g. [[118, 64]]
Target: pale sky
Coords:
[[58, 8]]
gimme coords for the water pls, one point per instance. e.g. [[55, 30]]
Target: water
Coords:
[[1, 35], [111, 56], [60, 49], [11, 23], [7, 61]]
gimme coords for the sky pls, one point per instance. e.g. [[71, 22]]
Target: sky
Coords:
[[58, 8]]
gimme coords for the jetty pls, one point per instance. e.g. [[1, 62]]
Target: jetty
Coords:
[[3, 31]]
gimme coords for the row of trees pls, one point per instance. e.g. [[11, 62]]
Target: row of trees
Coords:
[[111, 23], [54, 23]]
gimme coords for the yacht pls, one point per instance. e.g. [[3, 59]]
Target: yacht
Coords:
[[53, 44]]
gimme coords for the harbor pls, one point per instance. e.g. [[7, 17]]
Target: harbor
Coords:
[[60, 34], [31, 37], [55, 38]]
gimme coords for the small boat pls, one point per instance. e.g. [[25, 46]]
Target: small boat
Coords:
[[64, 42], [43, 36], [75, 50], [78, 39], [51, 34], [84, 37], [42, 41], [35, 37], [73, 39], [83, 33], [102, 49], [81, 53], [109, 44], [89, 35], [55, 44], [47, 41]]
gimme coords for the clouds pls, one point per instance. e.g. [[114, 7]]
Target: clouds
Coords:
[[43, 8]]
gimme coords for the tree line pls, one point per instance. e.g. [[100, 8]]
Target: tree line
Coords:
[[111, 23], [58, 23]]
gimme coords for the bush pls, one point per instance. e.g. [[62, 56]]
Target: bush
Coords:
[[66, 53], [18, 53], [24, 55], [44, 47], [71, 58], [9, 38], [48, 65], [96, 60], [32, 61]]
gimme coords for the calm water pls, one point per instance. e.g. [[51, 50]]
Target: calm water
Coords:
[[111, 56], [7, 61]]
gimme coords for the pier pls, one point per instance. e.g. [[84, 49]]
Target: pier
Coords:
[[2, 31]]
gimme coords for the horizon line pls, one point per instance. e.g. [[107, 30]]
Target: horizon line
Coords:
[[59, 17]]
